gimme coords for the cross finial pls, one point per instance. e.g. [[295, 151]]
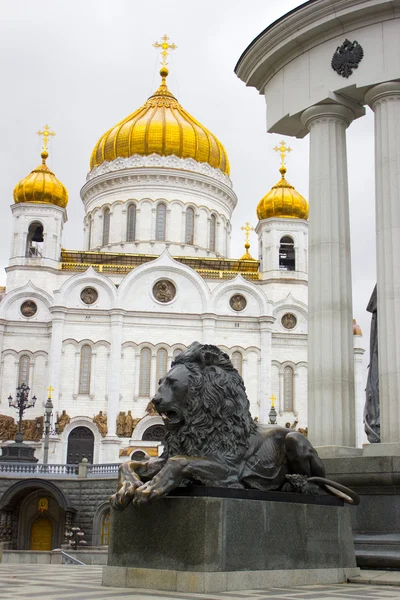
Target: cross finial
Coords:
[[273, 400], [247, 228], [50, 389], [166, 47], [46, 133], [282, 149]]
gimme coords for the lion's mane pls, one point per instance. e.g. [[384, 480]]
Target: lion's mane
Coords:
[[217, 419]]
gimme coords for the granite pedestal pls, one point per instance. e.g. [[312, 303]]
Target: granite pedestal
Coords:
[[212, 543]]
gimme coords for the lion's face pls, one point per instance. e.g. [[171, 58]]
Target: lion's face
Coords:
[[171, 395]]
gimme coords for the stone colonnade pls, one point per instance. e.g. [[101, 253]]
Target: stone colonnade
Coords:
[[331, 367]]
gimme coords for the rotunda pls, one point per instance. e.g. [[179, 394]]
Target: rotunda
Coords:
[[159, 179]]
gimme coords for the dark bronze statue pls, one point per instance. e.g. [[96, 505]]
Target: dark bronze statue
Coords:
[[372, 417], [212, 439]]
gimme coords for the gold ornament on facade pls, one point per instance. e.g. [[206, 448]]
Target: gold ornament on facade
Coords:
[[43, 505], [101, 421], [161, 126], [41, 186], [63, 420], [282, 201]]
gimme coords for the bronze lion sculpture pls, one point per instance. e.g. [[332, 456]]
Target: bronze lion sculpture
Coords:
[[211, 439]]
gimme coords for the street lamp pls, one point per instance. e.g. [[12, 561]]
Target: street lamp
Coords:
[[21, 404], [48, 411], [18, 451], [272, 413]]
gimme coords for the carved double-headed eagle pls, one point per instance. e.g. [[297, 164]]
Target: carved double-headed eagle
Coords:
[[347, 57]]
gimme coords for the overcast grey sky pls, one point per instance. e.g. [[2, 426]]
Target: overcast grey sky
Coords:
[[83, 65]]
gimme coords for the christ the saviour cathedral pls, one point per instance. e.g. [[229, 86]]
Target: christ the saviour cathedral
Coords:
[[97, 328]]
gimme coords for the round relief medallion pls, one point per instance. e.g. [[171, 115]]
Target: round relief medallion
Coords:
[[89, 295], [29, 308], [238, 302], [289, 321], [164, 290]]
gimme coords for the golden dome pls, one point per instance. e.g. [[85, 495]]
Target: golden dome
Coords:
[[41, 186], [282, 201], [356, 328], [161, 126]]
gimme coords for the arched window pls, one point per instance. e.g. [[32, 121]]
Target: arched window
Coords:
[[288, 389], [177, 351], [237, 361], [34, 241], [287, 260], [145, 371], [23, 369], [189, 232], [131, 223], [106, 226], [162, 363], [213, 232], [85, 370], [161, 218], [105, 529]]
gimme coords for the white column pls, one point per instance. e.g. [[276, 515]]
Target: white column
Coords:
[[114, 372], [384, 99], [359, 390], [331, 415], [55, 358], [208, 328], [265, 369]]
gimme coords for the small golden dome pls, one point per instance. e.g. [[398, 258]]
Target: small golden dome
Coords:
[[41, 186], [282, 201], [161, 126], [356, 328]]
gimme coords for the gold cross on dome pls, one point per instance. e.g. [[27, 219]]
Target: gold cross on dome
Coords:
[[46, 133], [166, 47], [247, 228], [50, 389], [273, 400], [282, 149]]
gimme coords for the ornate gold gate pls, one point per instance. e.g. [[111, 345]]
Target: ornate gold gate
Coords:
[[41, 534]]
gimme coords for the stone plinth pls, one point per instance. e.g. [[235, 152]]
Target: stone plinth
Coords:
[[248, 541]]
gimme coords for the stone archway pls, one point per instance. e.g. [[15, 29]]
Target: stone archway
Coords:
[[154, 433], [23, 504], [80, 445]]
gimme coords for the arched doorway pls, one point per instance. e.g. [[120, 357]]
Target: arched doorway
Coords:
[[41, 534], [80, 445]]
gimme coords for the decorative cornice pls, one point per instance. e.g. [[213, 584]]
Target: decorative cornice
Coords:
[[154, 178], [155, 160]]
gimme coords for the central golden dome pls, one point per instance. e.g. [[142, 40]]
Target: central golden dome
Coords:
[[161, 126]]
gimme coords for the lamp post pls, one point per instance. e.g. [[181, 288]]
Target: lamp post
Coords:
[[272, 413], [18, 451], [48, 411], [21, 403]]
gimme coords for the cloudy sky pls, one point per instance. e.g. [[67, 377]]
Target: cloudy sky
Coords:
[[83, 65]]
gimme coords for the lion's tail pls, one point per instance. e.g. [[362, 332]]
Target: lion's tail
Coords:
[[336, 489]]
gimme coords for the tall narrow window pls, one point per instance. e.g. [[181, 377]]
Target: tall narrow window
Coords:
[[145, 370], [85, 370], [162, 363], [161, 218], [131, 223], [237, 361], [288, 389], [89, 232], [106, 226], [23, 370], [213, 232], [189, 233], [286, 254], [177, 351]]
